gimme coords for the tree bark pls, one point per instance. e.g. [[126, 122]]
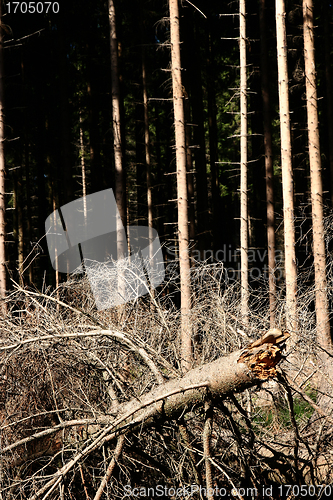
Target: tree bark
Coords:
[[287, 173], [243, 165], [19, 218], [65, 137], [322, 314], [183, 233], [2, 175], [268, 165], [120, 192], [26, 163], [147, 154]]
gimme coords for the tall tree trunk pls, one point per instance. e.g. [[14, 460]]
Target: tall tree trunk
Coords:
[[66, 166], [19, 211], [322, 314], [183, 234], [28, 197], [287, 173], [147, 142], [329, 105], [2, 174], [82, 160], [243, 165], [268, 165], [213, 150], [120, 192], [26, 163]]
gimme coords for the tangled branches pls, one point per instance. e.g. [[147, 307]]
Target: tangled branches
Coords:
[[93, 404]]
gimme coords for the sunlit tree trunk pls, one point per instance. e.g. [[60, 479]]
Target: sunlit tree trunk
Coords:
[[322, 314], [2, 174], [83, 164], [287, 173], [117, 139], [268, 165], [243, 164], [183, 233]]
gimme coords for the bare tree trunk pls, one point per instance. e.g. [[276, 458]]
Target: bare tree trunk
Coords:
[[117, 139], [66, 165], [20, 239], [213, 149], [183, 234], [83, 164], [322, 314], [243, 164], [287, 173], [26, 162], [2, 174], [268, 165], [147, 152]]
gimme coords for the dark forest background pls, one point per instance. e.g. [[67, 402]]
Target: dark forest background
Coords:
[[58, 80]]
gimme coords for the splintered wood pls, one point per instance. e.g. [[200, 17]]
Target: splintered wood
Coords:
[[262, 360]]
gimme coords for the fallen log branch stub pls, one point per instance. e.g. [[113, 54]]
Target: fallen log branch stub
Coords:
[[262, 360]]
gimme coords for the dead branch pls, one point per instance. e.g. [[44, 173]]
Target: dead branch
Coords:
[[218, 379]]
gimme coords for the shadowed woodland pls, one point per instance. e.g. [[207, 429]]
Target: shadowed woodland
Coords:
[[212, 124]]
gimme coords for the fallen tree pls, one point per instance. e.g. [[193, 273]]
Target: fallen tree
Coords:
[[90, 405], [212, 381]]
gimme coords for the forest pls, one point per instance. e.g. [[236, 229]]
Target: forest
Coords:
[[166, 281]]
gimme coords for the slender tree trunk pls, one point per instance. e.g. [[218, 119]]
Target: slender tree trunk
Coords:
[[66, 166], [83, 170], [243, 164], [26, 163], [120, 193], [147, 142], [329, 108], [2, 174], [213, 153], [183, 234], [268, 166], [28, 197], [322, 314], [287, 173], [20, 238], [82, 159]]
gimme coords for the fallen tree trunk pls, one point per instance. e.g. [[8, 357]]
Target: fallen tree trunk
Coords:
[[216, 380]]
